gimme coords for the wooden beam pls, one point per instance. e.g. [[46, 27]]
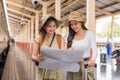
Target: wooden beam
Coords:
[[47, 2], [69, 8], [51, 9], [104, 11], [114, 14], [44, 9], [18, 12], [118, 1], [12, 22], [21, 6], [15, 16], [70, 5], [10, 18], [58, 9], [98, 9]]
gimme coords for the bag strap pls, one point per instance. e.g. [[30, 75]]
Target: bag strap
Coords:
[[52, 40], [58, 37], [59, 40]]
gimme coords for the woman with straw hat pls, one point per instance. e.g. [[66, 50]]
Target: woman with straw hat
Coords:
[[81, 38], [47, 37]]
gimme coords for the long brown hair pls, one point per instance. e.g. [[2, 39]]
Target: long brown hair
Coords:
[[72, 34]]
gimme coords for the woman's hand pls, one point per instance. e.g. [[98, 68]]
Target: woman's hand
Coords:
[[70, 48], [91, 63], [38, 58], [80, 63]]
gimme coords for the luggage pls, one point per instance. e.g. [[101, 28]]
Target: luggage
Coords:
[[95, 72], [103, 57]]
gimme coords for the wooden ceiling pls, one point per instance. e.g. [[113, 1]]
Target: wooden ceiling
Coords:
[[24, 9]]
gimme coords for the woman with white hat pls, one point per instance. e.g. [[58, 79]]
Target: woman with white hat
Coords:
[[47, 37], [81, 38]]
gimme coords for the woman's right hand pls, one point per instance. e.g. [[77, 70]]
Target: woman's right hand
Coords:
[[38, 58]]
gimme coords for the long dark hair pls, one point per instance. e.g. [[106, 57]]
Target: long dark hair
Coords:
[[72, 34]]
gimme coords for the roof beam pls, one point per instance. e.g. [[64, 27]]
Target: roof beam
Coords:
[[69, 5], [69, 8], [10, 18], [20, 6], [18, 17], [98, 9], [118, 1], [15, 11], [13, 22], [51, 9], [104, 11], [116, 13], [47, 2]]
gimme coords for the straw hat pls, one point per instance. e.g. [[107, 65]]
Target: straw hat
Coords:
[[46, 17], [75, 16]]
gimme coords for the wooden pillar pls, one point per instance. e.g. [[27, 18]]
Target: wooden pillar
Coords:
[[28, 34], [26, 29], [58, 9], [58, 13], [112, 28], [112, 33], [91, 15], [24, 34], [32, 33], [44, 8], [32, 28], [91, 18], [36, 24]]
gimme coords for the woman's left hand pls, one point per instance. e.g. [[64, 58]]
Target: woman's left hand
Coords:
[[91, 63]]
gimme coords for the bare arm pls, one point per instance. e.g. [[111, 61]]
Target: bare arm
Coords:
[[94, 50], [36, 55]]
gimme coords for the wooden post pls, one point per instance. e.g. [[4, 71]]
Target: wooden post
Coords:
[[58, 9], [36, 24], [112, 33], [91, 17], [112, 28], [44, 8]]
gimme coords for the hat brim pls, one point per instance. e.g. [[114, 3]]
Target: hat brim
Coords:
[[75, 20], [59, 22]]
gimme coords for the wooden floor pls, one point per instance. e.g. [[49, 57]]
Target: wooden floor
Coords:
[[20, 67]]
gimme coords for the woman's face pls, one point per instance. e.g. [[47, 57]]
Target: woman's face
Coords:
[[50, 28], [75, 25]]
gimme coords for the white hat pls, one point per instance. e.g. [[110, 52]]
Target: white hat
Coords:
[[46, 17]]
